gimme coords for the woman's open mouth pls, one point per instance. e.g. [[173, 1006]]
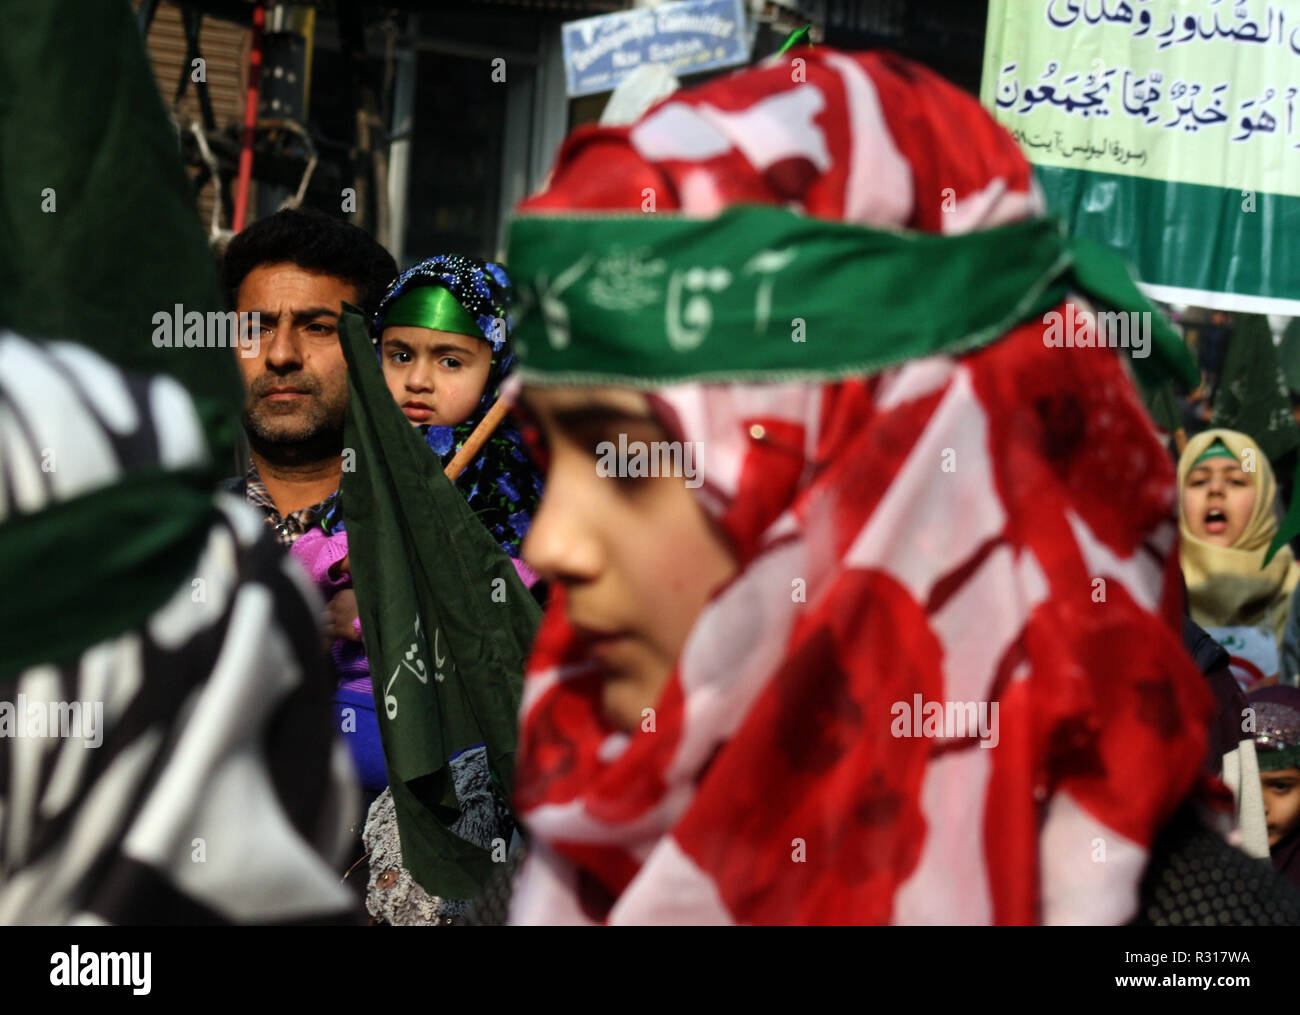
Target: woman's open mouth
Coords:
[[1216, 522]]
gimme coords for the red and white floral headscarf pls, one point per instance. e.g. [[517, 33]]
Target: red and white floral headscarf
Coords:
[[991, 527]]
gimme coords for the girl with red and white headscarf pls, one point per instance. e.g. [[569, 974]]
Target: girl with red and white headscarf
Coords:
[[865, 590]]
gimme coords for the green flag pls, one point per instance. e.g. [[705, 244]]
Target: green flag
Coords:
[[1252, 396], [447, 625], [1288, 355], [98, 227], [99, 234], [1160, 403]]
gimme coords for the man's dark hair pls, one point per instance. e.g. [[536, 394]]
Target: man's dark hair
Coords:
[[314, 242]]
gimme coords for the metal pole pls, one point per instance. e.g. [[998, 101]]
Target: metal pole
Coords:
[[250, 119], [399, 151]]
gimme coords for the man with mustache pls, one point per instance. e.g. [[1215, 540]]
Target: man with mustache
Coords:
[[295, 269]]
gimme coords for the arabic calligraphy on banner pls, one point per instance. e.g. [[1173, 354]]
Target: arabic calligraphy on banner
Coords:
[[1189, 91]]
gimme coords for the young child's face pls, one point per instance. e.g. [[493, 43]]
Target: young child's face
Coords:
[[1218, 500], [1281, 802], [437, 377]]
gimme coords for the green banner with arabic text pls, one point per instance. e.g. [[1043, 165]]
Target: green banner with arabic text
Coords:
[[1168, 130]]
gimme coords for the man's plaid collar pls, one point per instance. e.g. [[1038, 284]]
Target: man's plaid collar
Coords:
[[288, 527]]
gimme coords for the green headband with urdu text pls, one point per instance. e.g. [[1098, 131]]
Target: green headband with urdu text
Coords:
[[764, 293]]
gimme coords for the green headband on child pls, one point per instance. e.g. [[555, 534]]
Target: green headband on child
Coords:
[[1216, 450], [1276, 759], [432, 306]]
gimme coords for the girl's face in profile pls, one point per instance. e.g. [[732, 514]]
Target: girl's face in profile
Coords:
[[637, 556], [437, 377], [1218, 500]]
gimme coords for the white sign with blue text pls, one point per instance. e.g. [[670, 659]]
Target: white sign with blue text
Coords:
[[689, 37]]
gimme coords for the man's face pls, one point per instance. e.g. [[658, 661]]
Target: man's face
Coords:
[[1281, 802], [297, 388], [638, 557]]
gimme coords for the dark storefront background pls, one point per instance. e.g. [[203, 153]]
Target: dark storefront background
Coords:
[[455, 158], [451, 150], [945, 35]]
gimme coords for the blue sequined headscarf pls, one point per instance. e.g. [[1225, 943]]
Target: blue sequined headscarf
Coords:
[[501, 484]]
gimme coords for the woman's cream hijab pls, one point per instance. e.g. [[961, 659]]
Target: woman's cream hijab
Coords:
[[1225, 584]]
